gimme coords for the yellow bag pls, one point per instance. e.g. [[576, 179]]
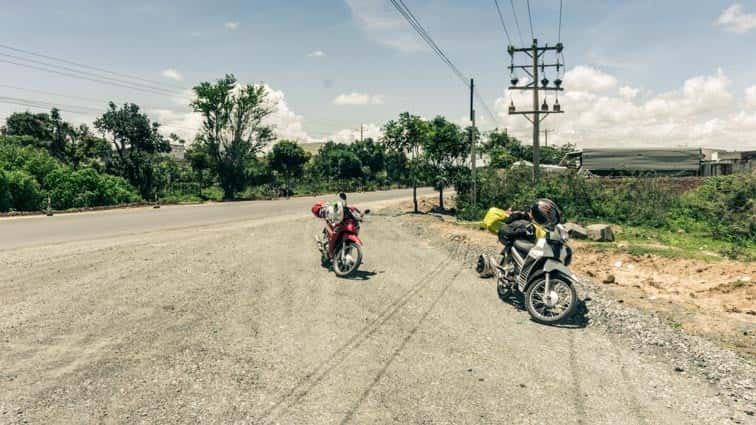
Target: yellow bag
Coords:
[[496, 216], [493, 219], [540, 232]]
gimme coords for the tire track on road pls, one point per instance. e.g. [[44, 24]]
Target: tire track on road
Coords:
[[579, 400], [634, 405], [316, 376], [399, 349]]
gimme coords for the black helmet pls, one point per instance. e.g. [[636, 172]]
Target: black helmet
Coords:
[[546, 212]]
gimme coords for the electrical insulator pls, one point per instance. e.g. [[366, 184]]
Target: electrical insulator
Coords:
[[558, 83], [545, 82], [514, 81], [511, 107], [544, 107], [557, 106]]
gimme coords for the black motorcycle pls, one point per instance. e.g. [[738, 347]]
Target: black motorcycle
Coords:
[[537, 270]]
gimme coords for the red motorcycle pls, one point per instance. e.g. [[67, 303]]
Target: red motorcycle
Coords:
[[340, 244]]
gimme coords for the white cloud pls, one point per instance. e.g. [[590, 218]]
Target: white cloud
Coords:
[[701, 112], [184, 124], [628, 92], [316, 54], [172, 74], [382, 23], [586, 78], [288, 124], [350, 135], [231, 25], [358, 99], [734, 19], [750, 97]]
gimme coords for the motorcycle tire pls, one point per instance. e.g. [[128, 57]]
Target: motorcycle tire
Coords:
[[533, 291], [346, 270]]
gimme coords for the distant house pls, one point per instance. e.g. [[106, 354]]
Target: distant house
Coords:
[[178, 150], [545, 168], [718, 162], [481, 160]]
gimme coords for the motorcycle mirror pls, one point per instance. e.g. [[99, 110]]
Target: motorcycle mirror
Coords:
[[342, 195], [367, 212]]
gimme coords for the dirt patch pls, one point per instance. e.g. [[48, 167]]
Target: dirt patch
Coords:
[[715, 300]]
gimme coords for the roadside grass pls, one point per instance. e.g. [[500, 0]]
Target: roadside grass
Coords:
[[639, 241], [698, 245]]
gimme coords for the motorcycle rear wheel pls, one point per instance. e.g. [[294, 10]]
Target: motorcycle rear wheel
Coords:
[[347, 259], [537, 302]]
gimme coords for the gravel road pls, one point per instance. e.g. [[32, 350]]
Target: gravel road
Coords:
[[237, 323]]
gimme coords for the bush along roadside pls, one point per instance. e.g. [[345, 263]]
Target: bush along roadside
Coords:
[[722, 209]]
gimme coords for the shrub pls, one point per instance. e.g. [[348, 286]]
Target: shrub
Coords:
[[19, 191], [725, 206], [87, 188], [722, 206]]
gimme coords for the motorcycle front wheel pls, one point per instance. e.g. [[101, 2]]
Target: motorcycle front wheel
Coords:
[[347, 259], [559, 304]]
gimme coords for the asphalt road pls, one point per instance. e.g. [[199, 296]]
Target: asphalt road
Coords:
[[36, 230], [226, 317]]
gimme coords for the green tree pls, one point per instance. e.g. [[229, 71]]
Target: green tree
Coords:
[[372, 155], [287, 159], [232, 128], [90, 151], [397, 167], [137, 141], [201, 163], [445, 151], [38, 126], [337, 161], [408, 134]]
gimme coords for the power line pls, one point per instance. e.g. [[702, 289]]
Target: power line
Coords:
[[118, 74], [72, 97], [410, 18], [87, 99], [72, 109], [81, 77], [501, 19], [530, 16], [417, 26], [517, 22], [45, 105], [157, 90]]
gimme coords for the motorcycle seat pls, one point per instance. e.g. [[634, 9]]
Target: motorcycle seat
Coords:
[[523, 246]]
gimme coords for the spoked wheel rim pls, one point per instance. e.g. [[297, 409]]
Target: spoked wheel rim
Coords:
[[554, 306], [347, 259]]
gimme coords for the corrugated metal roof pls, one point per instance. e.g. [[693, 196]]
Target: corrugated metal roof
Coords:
[[641, 159]]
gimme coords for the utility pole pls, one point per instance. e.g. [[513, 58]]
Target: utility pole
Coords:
[[538, 113], [472, 143], [361, 127], [546, 136]]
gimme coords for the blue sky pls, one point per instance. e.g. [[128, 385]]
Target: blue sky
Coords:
[[370, 59]]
